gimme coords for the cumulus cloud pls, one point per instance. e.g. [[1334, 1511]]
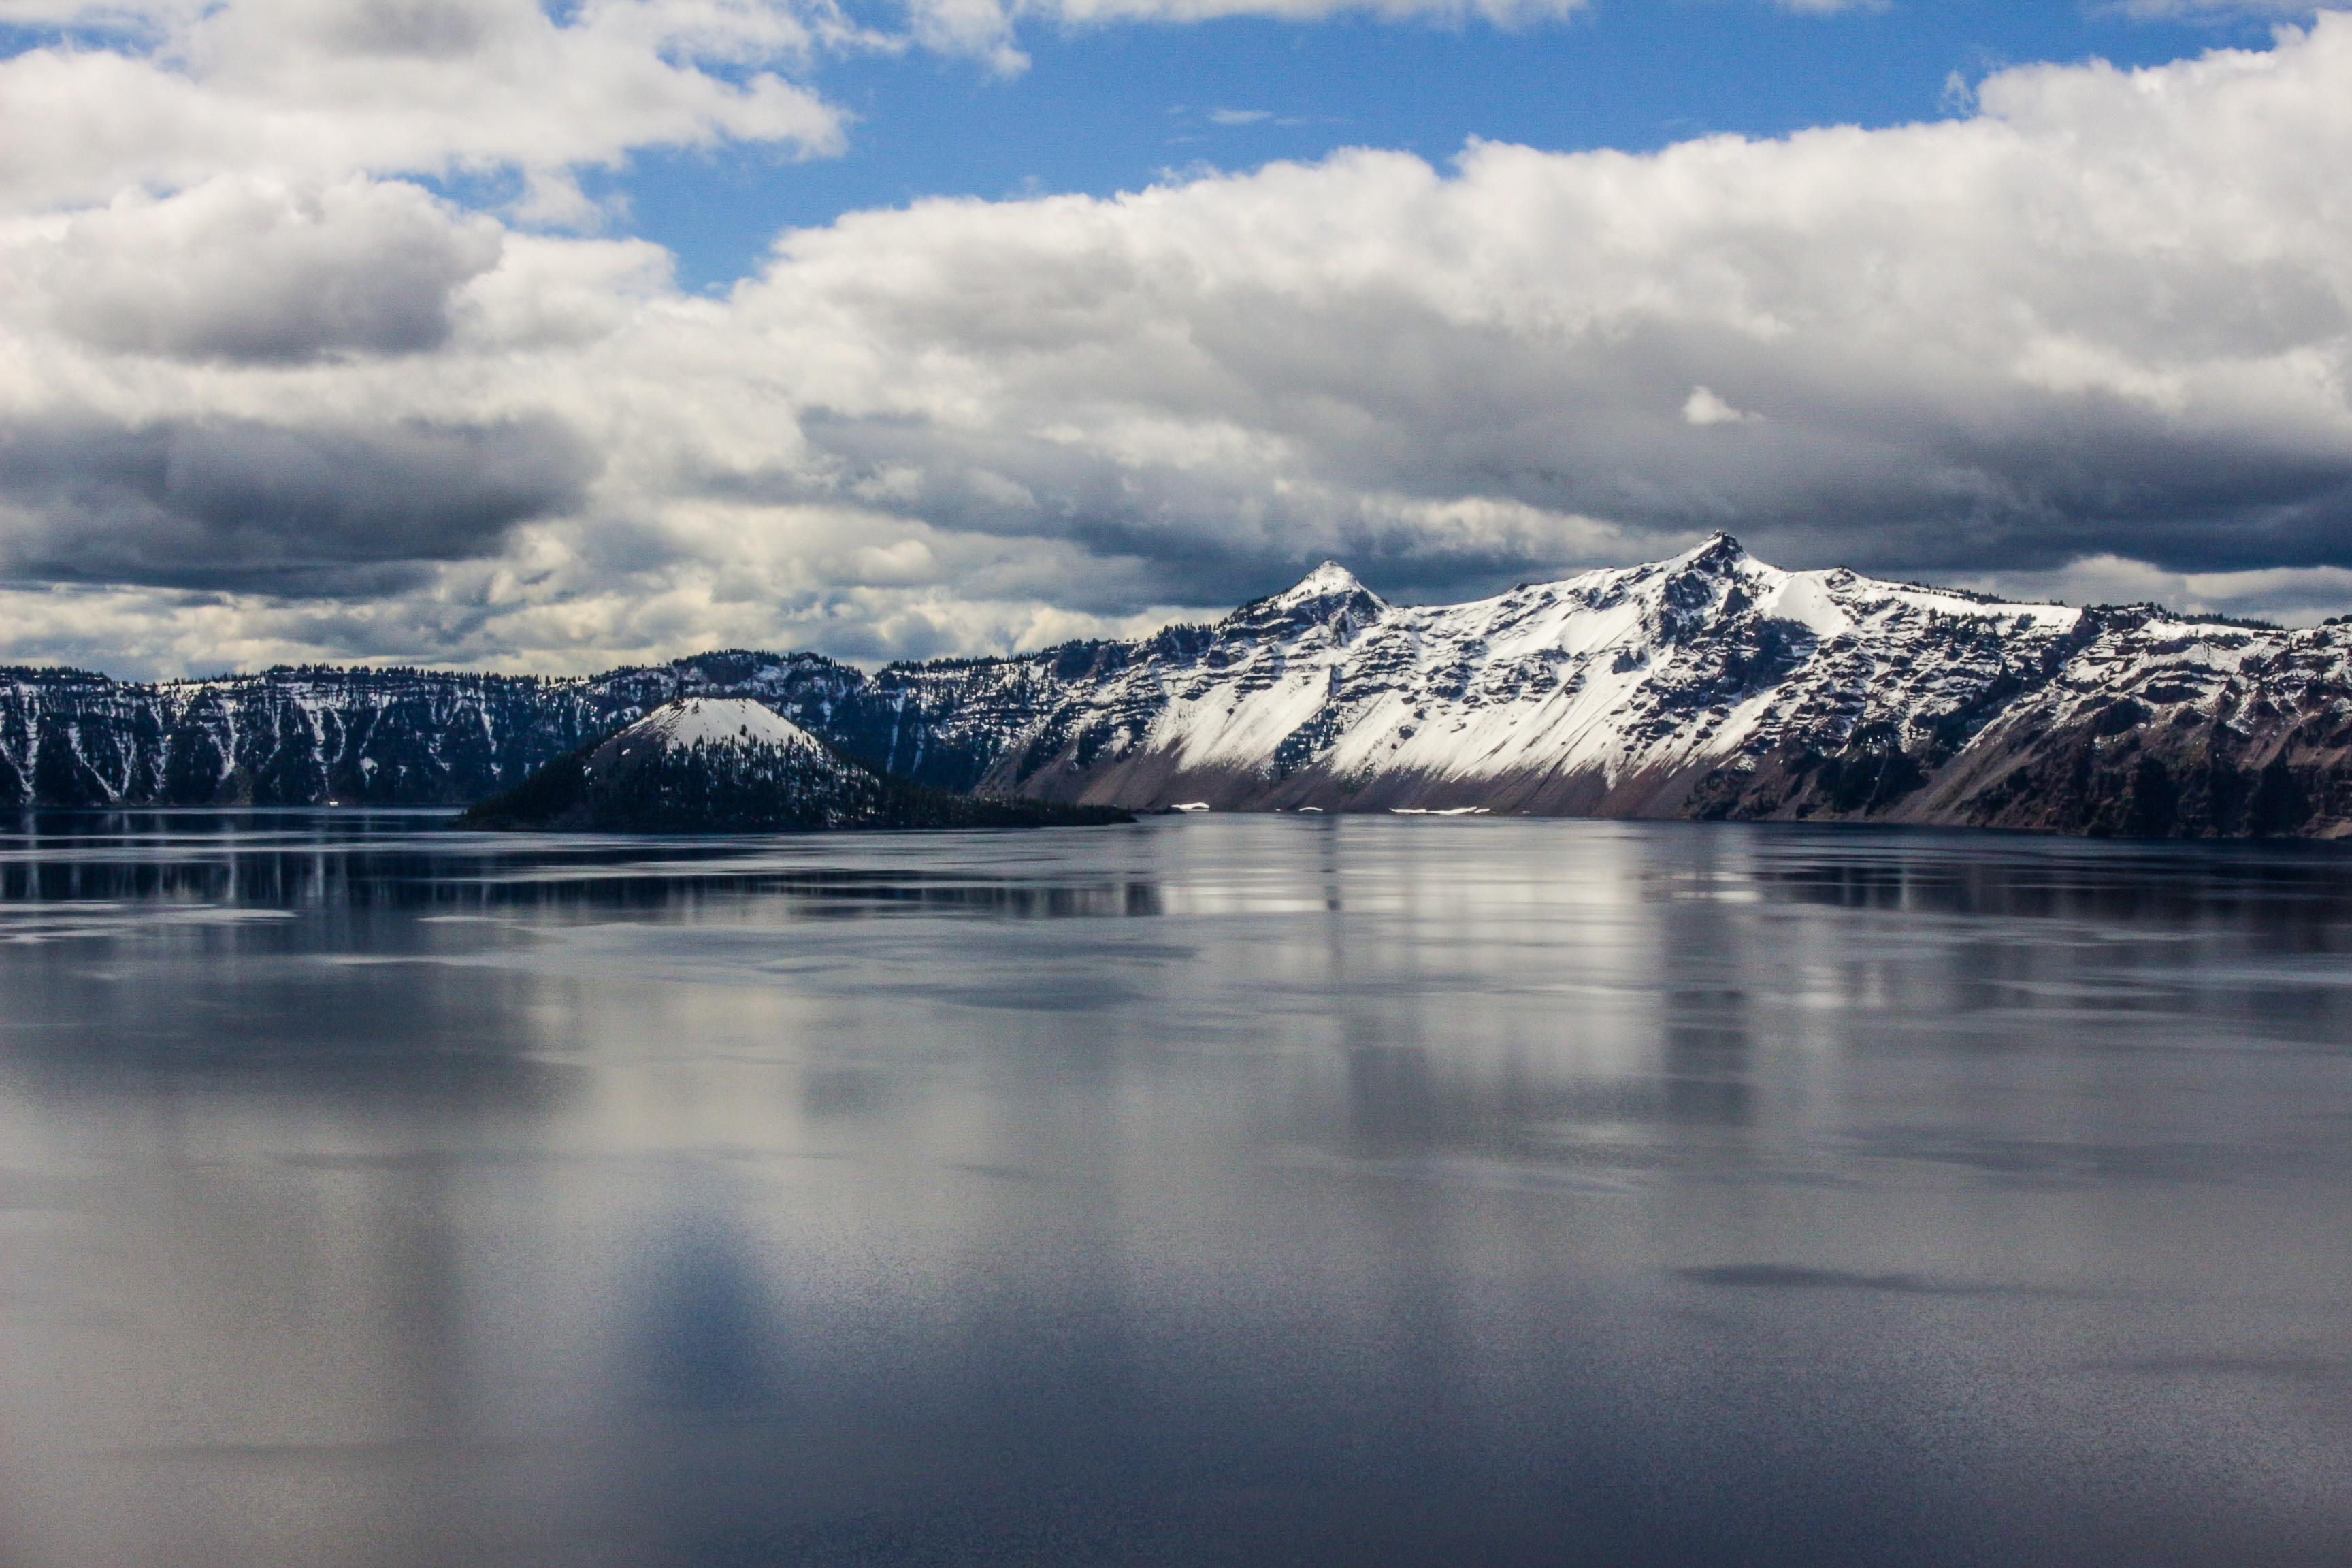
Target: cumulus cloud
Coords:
[[2097, 332], [2212, 10], [184, 91], [2106, 314], [319, 90], [250, 270], [323, 88]]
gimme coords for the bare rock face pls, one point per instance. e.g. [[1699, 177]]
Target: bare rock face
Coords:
[[2166, 728], [1710, 684]]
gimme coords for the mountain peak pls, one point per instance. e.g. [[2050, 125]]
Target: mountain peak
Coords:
[[1716, 552], [1329, 595], [1327, 581]]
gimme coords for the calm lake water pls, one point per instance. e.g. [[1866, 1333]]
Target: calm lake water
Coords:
[[1221, 1190]]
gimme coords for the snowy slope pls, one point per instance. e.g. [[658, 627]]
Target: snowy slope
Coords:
[[710, 721], [1617, 692]]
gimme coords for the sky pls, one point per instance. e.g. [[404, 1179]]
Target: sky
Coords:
[[476, 334]]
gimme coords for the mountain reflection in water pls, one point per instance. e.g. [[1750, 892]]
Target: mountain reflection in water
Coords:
[[1217, 1190]]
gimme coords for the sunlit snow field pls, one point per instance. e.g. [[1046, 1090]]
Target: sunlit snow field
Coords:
[[1218, 1190]]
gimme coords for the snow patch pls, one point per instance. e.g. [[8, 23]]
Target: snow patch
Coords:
[[1803, 597], [1324, 582], [707, 720]]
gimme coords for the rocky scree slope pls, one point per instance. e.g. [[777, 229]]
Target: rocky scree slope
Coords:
[[1709, 685]]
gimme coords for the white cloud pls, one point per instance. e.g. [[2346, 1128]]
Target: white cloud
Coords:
[[2213, 10], [252, 269], [1704, 407], [315, 91], [2106, 319]]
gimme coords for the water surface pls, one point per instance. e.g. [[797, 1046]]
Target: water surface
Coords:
[[1218, 1191]]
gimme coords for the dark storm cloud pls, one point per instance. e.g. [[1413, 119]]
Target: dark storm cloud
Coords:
[[1817, 480], [1892, 483], [1195, 533], [245, 506], [2187, 505]]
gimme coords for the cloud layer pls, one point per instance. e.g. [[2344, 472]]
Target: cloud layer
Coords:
[[262, 396], [291, 508]]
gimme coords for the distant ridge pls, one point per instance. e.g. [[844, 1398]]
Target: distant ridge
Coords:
[[1709, 685]]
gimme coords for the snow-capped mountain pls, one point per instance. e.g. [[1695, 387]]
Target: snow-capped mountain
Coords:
[[1709, 685], [1612, 693]]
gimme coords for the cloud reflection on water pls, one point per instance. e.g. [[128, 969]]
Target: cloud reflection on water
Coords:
[[1223, 1191]]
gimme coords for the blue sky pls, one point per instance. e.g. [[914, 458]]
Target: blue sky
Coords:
[[1116, 106]]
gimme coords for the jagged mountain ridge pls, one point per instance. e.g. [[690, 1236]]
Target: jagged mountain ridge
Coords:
[[1708, 685]]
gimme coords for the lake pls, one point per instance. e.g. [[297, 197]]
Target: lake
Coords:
[[1221, 1189]]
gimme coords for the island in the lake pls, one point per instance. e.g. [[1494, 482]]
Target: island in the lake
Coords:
[[729, 765]]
